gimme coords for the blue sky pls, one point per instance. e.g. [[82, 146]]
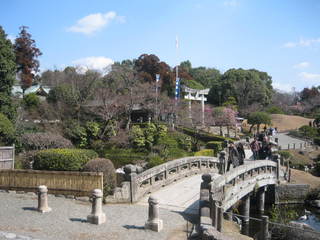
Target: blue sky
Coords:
[[279, 37]]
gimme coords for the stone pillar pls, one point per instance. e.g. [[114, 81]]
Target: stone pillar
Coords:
[[294, 146], [288, 146], [154, 223], [96, 216], [131, 175], [261, 200], [246, 208], [289, 177], [43, 199], [300, 145], [264, 233], [222, 160], [220, 216], [278, 159]]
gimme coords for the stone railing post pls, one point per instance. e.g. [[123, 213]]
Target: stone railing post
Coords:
[[264, 233], [43, 199], [220, 216], [131, 176], [96, 216], [154, 223], [222, 160], [204, 210]]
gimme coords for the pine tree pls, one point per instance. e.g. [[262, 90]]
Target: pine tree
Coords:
[[26, 57], [7, 75]]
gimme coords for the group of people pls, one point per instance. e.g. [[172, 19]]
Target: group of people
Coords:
[[261, 148], [236, 155]]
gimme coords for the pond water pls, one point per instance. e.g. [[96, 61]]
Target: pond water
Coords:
[[285, 213], [313, 220]]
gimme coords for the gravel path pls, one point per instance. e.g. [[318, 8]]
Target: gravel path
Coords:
[[67, 220]]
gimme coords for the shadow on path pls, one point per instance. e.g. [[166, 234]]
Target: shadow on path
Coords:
[[133, 227], [30, 209], [78, 220]]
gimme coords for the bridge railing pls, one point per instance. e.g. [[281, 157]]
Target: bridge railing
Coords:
[[219, 195], [137, 183]]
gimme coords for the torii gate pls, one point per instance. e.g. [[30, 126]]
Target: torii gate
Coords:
[[197, 95]]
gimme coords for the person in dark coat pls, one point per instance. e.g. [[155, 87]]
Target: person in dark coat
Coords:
[[255, 148], [268, 151], [233, 156], [242, 154]]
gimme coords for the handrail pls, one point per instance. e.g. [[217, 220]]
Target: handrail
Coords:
[[234, 173], [173, 164]]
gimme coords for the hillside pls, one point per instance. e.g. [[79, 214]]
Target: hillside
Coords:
[[284, 122], [288, 122]]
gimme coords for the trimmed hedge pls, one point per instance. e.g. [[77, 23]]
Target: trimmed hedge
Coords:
[[215, 145], [203, 136], [109, 173], [205, 152], [121, 157], [63, 159]]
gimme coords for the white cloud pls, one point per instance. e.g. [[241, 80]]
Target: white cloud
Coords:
[[100, 64], [231, 3], [302, 65], [95, 22], [302, 43], [310, 77], [282, 86], [11, 38]]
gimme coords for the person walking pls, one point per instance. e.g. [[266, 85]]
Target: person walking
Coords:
[[242, 154], [255, 147], [233, 156]]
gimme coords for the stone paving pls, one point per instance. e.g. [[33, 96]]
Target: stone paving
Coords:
[[67, 220]]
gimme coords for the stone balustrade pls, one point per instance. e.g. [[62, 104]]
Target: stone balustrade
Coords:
[[137, 183], [219, 195]]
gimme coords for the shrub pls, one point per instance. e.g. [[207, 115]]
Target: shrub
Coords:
[[215, 145], [146, 135], [203, 136], [109, 173], [205, 152], [274, 110], [7, 131], [154, 160], [63, 159], [285, 154], [175, 153], [40, 141], [31, 100], [77, 134], [307, 131], [121, 157]]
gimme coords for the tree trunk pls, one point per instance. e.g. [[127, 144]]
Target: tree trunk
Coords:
[[258, 129], [228, 131], [250, 130], [221, 134]]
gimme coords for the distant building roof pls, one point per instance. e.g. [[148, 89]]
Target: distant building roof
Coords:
[[38, 89]]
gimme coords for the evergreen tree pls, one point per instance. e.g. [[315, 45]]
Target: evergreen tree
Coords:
[[7, 75], [26, 57]]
